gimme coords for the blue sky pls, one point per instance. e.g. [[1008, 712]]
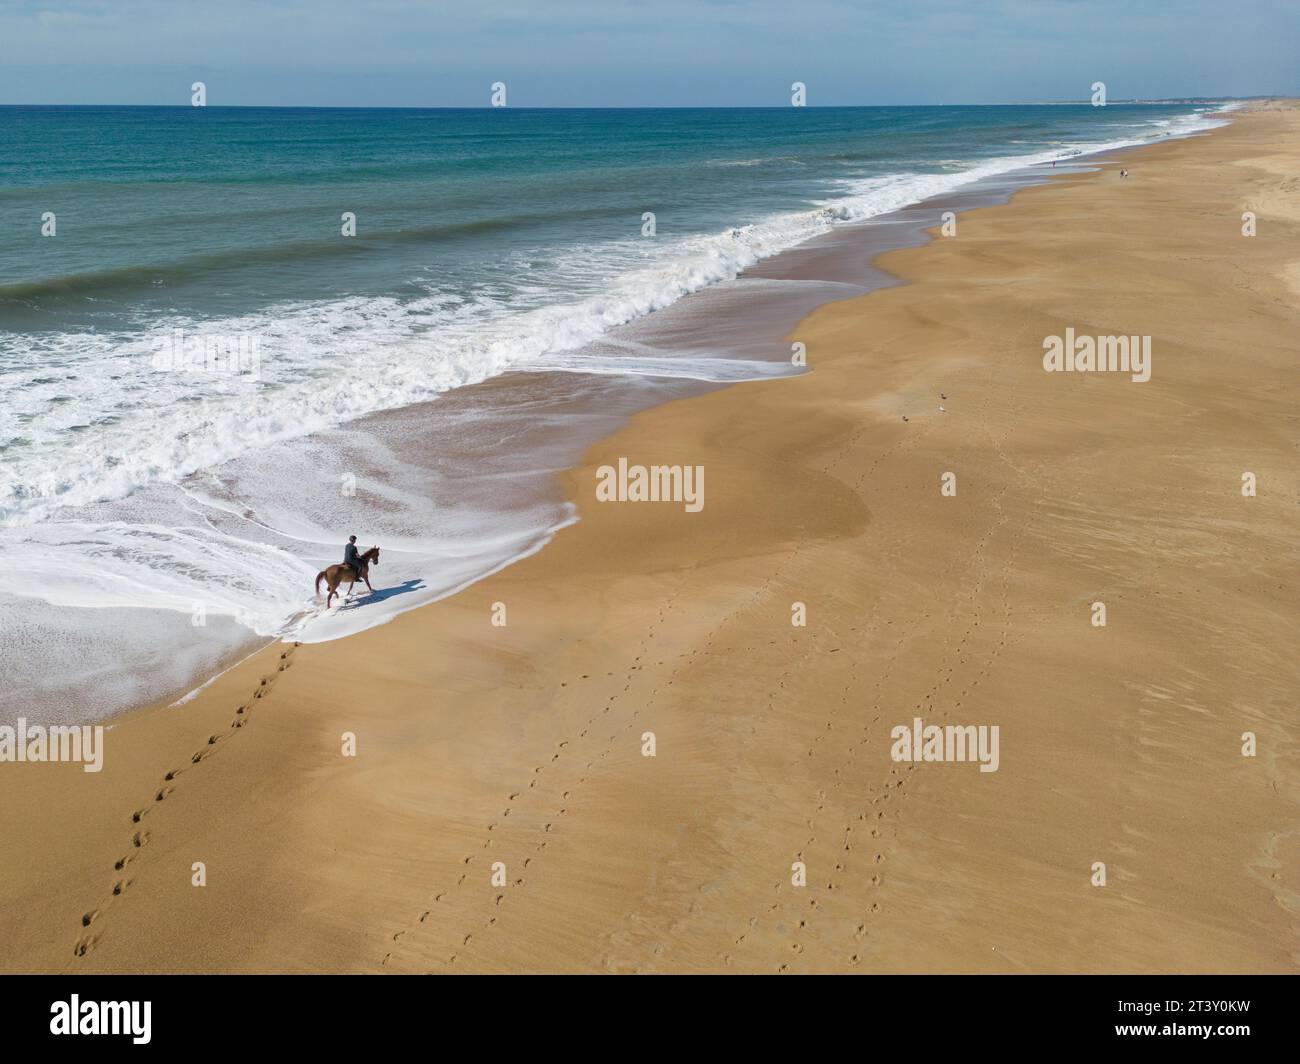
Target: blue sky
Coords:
[[584, 53]]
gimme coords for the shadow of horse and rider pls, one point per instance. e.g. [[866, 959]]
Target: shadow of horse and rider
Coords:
[[334, 576]]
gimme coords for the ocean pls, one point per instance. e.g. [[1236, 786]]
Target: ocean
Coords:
[[231, 337]]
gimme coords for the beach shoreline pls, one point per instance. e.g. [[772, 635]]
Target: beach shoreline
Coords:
[[525, 742], [844, 259], [455, 486]]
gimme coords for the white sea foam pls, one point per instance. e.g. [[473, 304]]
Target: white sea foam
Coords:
[[693, 368]]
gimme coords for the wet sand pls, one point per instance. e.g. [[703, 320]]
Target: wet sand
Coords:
[[525, 743]]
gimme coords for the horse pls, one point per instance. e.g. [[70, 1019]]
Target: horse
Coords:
[[335, 574]]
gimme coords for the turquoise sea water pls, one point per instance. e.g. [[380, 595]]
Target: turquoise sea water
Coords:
[[484, 238]]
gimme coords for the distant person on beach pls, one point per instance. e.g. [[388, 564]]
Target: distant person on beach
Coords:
[[355, 566], [350, 555]]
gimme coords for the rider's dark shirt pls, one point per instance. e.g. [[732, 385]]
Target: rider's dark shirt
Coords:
[[351, 558]]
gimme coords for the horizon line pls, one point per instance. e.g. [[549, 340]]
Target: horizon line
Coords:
[[1138, 101]]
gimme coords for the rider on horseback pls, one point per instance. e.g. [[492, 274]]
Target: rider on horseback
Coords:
[[355, 566], [351, 557]]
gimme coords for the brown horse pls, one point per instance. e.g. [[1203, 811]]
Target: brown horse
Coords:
[[336, 574]]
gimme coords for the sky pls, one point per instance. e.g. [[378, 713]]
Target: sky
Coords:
[[641, 53]]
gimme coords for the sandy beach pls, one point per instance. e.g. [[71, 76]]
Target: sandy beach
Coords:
[[503, 812]]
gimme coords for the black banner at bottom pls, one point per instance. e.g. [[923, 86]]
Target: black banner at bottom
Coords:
[[337, 1013]]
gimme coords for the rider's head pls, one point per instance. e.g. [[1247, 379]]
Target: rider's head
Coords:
[[352, 539]]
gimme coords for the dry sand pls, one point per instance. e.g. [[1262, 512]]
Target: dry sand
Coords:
[[522, 744]]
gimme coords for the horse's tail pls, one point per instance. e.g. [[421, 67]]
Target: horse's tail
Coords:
[[319, 577]]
